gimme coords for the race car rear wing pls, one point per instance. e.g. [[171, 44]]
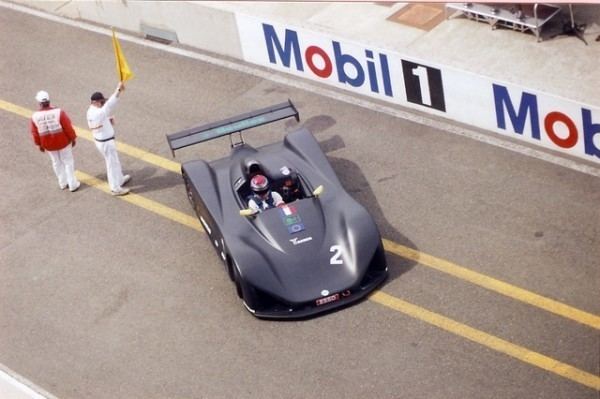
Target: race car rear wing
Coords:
[[235, 124]]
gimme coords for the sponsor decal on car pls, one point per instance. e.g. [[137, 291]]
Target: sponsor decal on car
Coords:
[[291, 219], [297, 241]]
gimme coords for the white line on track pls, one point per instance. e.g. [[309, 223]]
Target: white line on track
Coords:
[[302, 84], [13, 386]]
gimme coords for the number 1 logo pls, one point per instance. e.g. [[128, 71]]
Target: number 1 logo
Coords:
[[423, 85]]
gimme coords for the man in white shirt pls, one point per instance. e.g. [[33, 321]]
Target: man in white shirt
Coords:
[[100, 121]]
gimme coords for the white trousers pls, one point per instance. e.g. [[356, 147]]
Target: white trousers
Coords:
[[114, 172], [64, 167]]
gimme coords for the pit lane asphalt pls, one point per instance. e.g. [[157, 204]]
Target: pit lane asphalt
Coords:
[[102, 298]]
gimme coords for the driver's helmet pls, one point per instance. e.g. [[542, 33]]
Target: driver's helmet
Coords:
[[259, 184]]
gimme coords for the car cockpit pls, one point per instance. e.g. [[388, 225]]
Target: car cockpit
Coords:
[[284, 180]]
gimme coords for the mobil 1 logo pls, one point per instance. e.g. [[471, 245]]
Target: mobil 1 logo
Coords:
[[423, 85]]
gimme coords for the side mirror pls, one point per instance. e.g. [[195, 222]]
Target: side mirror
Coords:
[[318, 191], [247, 212]]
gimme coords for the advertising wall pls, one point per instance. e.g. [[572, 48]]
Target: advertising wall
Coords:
[[506, 109], [510, 110]]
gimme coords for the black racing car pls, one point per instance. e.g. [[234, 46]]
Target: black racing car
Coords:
[[318, 251]]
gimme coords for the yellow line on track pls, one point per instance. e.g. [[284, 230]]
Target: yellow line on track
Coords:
[[137, 153], [15, 109], [493, 284], [143, 202], [424, 259], [487, 340]]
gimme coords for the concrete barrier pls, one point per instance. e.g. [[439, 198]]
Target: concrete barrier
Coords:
[[205, 26]]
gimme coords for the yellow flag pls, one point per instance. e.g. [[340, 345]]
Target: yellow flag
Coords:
[[122, 66]]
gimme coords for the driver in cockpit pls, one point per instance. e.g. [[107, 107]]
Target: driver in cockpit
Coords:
[[263, 197]]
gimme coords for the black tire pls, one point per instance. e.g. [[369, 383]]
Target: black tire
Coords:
[[188, 189], [237, 279], [229, 265]]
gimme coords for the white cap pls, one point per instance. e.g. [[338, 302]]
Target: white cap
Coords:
[[42, 96]]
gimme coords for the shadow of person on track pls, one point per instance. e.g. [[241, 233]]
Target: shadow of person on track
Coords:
[[150, 179]]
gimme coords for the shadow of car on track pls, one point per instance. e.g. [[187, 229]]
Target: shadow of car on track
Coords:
[[357, 185]]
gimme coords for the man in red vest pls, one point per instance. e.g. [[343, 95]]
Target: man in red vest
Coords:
[[53, 133]]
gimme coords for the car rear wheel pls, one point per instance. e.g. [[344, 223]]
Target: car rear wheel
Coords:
[[237, 279], [188, 188]]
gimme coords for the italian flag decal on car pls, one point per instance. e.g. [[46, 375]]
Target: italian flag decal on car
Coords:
[[291, 219]]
